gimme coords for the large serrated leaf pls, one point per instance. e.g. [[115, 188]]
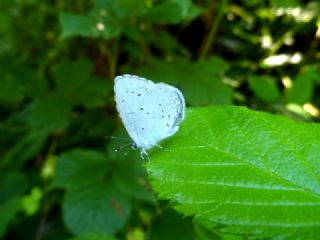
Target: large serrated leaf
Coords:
[[246, 172]]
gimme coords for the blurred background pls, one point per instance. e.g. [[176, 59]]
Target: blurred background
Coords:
[[60, 177]]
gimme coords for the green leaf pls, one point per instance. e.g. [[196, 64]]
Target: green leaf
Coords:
[[18, 82], [301, 91], [172, 12], [48, 114], [246, 172], [74, 81], [93, 236], [311, 72], [171, 226], [26, 148], [94, 24], [122, 9], [130, 178], [99, 208], [8, 210], [200, 82], [75, 165], [91, 192], [12, 185], [109, 19], [264, 87], [285, 3]]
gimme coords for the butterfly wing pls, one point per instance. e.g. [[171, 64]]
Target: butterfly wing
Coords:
[[150, 112]]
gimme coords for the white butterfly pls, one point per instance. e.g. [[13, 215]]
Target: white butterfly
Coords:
[[150, 112]]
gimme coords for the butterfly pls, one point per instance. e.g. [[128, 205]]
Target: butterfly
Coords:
[[149, 111]]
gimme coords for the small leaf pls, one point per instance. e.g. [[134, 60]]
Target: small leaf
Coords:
[[31, 203], [301, 91], [246, 172], [264, 87]]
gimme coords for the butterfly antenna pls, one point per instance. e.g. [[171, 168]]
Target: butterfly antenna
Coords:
[[122, 147], [118, 138]]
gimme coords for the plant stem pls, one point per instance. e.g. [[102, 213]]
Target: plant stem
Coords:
[[213, 30]]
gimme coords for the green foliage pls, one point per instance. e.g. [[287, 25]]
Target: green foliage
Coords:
[[200, 82], [301, 91], [244, 188], [12, 186], [48, 114], [104, 206], [264, 87], [84, 89], [31, 203], [231, 173]]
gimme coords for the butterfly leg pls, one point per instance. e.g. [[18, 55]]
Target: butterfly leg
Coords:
[[144, 153]]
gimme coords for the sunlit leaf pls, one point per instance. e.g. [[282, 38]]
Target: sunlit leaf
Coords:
[[245, 172], [31, 202]]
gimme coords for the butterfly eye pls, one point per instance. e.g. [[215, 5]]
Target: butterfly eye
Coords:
[[134, 146]]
